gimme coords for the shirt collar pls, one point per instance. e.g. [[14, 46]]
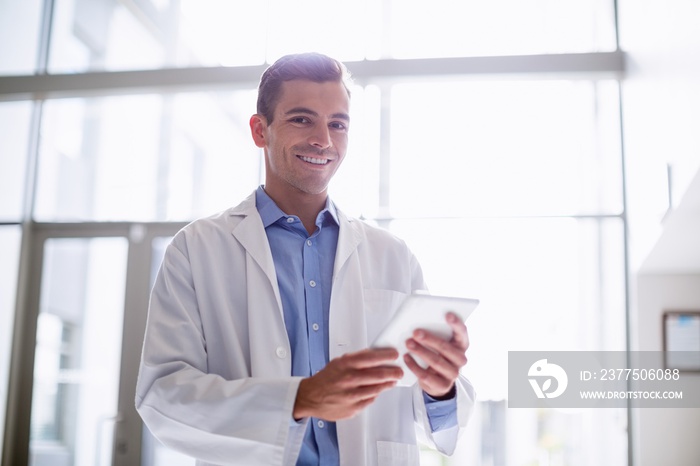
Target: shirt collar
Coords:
[[271, 213]]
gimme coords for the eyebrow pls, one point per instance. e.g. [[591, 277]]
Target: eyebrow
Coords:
[[308, 111]]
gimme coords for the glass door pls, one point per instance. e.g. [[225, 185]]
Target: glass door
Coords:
[[78, 351], [77, 347]]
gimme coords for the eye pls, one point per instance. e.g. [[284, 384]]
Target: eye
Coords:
[[339, 126], [299, 120]]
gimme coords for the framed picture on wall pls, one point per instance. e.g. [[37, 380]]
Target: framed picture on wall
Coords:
[[681, 340]]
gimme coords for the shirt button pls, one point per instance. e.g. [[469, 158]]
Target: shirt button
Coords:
[[281, 352], [315, 327], [312, 284], [321, 424], [308, 242], [290, 220]]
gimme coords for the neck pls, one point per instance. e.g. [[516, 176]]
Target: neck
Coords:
[[303, 205]]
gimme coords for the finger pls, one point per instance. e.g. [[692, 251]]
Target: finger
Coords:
[[436, 361], [349, 379], [370, 357], [369, 392], [448, 349], [376, 375], [460, 335], [433, 383], [414, 367]]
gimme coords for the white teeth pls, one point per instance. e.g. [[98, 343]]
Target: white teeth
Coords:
[[314, 160]]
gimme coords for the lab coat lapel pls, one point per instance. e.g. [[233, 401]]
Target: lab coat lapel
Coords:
[[265, 317], [349, 237], [348, 330], [249, 231]]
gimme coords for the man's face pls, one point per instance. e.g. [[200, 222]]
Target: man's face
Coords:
[[307, 139]]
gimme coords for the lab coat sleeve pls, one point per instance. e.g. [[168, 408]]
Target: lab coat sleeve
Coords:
[[201, 414], [445, 441]]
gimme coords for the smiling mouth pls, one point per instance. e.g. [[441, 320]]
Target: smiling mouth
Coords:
[[314, 160]]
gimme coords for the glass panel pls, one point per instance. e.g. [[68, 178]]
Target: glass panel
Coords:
[[15, 119], [78, 349], [344, 30], [90, 35], [177, 157], [355, 187], [544, 284], [10, 240], [19, 36], [504, 148], [146, 157], [500, 27], [212, 32]]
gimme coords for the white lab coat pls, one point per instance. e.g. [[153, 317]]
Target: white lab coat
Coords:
[[215, 380]]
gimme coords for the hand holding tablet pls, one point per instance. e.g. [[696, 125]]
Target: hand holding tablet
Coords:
[[425, 312]]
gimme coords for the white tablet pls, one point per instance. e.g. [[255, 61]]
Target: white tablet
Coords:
[[421, 311]]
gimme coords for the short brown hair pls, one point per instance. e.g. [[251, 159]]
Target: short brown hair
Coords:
[[314, 67]]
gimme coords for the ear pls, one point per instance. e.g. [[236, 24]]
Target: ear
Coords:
[[258, 126]]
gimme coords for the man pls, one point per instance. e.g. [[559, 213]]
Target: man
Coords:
[[260, 319]]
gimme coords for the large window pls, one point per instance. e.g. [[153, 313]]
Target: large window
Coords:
[[15, 121], [507, 186], [484, 148], [145, 157], [103, 35]]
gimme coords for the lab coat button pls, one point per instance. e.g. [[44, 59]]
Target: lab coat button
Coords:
[[281, 352]]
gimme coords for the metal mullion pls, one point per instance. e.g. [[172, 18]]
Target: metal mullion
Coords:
[[21, 380], [81, 230], [630, 414], [127, 447], [42, 59], [384, 210], [585, 66], [103, 229], [128, 432], [16, 432]]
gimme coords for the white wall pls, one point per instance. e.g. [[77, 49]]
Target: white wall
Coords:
[[665, 436], [661, 125]]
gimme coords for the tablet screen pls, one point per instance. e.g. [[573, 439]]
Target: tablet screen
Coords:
[[421, 311]]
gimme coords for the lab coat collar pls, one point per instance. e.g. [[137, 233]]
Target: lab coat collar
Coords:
[[251, 234], [249, 231], [271, 213], [349, 238]]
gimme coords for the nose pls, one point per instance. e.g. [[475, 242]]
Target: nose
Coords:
[[321, 137]]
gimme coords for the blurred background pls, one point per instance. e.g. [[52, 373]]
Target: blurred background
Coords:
[[540, 155]]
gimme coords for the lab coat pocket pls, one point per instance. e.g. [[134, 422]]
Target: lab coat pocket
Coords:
[[380, 306], [397, 454]]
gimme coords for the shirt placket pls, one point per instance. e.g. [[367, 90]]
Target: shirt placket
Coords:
[[314, 304]]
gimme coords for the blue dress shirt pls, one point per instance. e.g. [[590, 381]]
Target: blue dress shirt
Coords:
[[304, 268]]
